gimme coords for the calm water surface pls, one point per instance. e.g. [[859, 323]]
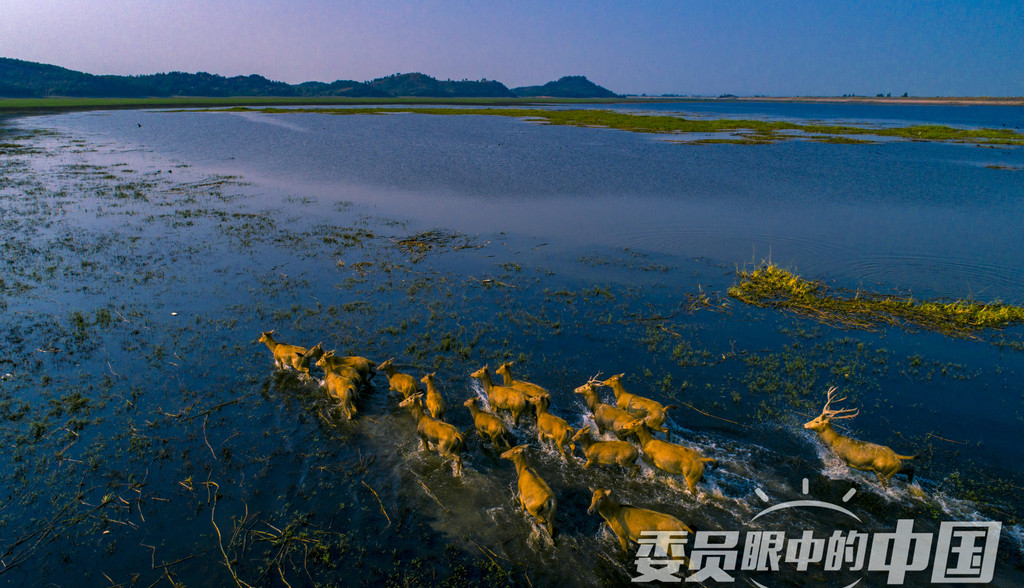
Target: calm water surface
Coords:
[[926, 217]]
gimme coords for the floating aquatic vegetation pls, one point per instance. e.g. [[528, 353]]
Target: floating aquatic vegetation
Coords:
[[773, 287]]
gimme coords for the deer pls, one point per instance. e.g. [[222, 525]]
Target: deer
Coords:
[[654, 412], [345, 388], [286, 356], [535, 496], [329, 361], [859, 455], [311, 356], [531, 390], [446, 438], [503, 397], [629, 522], [435, 402], [606, 416], [488, 425], [552, 427], [399, 382], [608, 453], [673, 458]]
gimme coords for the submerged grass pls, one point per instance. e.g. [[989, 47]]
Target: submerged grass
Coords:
[[774, 287]]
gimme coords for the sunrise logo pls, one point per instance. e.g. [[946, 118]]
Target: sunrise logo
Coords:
[[805, 503]]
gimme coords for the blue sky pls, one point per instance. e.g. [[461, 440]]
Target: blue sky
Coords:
[[926, 48]]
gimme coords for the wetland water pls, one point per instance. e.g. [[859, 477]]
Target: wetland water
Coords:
[[148, 438]]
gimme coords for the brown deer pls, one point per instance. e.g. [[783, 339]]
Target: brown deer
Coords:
[[607, 453], [503, 397], [329, 361], [399, 382], [488, 425], [531, 390], [653, 412], [435, 402], [446, 438], [606, 416], [860, 455], [310, 357], [345, 388], [629, 522], [535, 495], [552, 427], [674, 459], [286, 356]]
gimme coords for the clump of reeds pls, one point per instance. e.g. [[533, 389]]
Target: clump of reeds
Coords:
[[773, 287]]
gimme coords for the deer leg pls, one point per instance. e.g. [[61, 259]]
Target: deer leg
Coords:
[[884, 480], [623, 541], [692, 484]]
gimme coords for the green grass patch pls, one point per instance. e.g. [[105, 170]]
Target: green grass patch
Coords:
[[773, 287]]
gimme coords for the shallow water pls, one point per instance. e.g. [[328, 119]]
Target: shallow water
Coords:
[[870, 214], [147, 259]]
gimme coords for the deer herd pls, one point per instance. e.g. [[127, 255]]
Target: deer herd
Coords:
[[631, 421]]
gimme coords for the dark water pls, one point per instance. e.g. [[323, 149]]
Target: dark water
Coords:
[[570, 251]]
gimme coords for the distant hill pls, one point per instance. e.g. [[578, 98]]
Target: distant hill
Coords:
[[26, 79], [566, 87], [417, 84]]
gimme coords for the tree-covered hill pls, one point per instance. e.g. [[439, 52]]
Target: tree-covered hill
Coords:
[[566, 87], [417, 84], [26, 79]]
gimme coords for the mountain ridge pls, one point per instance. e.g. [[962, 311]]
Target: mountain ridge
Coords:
[[27, 79]]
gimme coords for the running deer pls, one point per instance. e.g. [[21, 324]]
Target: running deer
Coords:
[[503, 397], [446, 438], [345, 388], [860, 455], [399, 382], [435, 402], [652, 411], [286, 356], [535, 495], [329, 361], [310, 357], [488, 425], [629, 522], [606, 416], [552, 427], [674, 459], [531, 390], [608, 453]]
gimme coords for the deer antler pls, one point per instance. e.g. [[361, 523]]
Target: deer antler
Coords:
[[594, 379], [843, 413]]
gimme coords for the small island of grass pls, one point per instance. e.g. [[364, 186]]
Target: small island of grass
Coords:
[[773, 287]]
